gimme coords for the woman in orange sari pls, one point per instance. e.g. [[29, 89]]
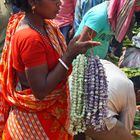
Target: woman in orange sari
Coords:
[[35, 65]]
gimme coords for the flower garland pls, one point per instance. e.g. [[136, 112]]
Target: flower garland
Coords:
[[95, 89], [78, 102], [89, 95]]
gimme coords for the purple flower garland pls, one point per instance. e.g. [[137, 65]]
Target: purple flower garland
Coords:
[[89, 95], [95, 89]]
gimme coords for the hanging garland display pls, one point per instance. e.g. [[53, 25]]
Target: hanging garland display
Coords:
[[89, 95], [95, 89], [77, 101]]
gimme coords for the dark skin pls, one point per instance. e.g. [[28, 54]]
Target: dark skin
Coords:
[[118, 132], [87, 34], [43, 82], [39, 79]]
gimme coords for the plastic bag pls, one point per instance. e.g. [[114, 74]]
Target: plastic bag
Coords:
[[136, 40], [131, 58]]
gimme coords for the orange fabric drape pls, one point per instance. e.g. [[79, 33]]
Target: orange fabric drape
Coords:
[[51, 113]]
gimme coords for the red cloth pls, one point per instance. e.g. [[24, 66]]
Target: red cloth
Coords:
[[31, 50], [31, 118]]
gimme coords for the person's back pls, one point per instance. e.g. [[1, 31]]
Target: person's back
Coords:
[[122, 100], [121, 107]]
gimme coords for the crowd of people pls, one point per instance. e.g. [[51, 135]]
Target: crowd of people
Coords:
[[39, 40]]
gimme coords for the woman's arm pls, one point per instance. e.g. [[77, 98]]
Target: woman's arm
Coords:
[[87, 34], [43, 82]]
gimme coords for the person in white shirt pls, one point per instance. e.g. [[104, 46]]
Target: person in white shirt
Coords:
[[121, 106], [122, 99]]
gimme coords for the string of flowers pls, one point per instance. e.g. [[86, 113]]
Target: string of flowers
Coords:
[[95, 89], [89, 94], [78, 102]]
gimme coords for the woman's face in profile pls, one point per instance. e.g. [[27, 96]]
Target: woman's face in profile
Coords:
[[48, 8]]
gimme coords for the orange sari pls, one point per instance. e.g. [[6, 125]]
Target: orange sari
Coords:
[[29, 117]]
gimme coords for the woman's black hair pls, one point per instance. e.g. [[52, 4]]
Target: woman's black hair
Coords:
[[136, 82], [22, 5]]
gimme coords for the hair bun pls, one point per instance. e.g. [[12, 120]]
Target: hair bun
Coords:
[[22, 4]]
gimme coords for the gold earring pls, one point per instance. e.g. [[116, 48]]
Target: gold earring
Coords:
[[33, 9]]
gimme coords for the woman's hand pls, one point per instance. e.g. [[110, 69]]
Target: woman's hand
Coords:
[[78, 47], [42, 81]]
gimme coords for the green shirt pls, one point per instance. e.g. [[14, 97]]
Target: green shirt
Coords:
[[97, 19]]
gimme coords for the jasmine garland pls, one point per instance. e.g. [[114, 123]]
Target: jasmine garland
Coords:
[[78, 101]]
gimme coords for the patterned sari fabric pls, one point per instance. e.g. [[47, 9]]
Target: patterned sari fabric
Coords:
[[29, 117], [120, 14]]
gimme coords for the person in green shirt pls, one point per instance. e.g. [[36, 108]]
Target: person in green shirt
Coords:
[[102, 22], [96, 19]]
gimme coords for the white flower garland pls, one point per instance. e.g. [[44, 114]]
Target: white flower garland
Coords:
[[78, 103]]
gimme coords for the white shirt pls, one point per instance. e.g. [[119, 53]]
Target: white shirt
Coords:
[[121, 94]]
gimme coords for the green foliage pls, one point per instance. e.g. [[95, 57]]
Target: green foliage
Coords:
[[136, 30], [112, 58], [131, 72], [137, 121], [127, 42]]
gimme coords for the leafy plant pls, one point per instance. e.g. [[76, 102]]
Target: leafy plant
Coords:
[[127, 42]]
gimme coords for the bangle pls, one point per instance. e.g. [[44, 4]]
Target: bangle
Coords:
[[64, 65]]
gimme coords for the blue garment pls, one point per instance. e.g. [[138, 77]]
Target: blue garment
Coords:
[[82, 6], [97, 19], [65, 31]]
